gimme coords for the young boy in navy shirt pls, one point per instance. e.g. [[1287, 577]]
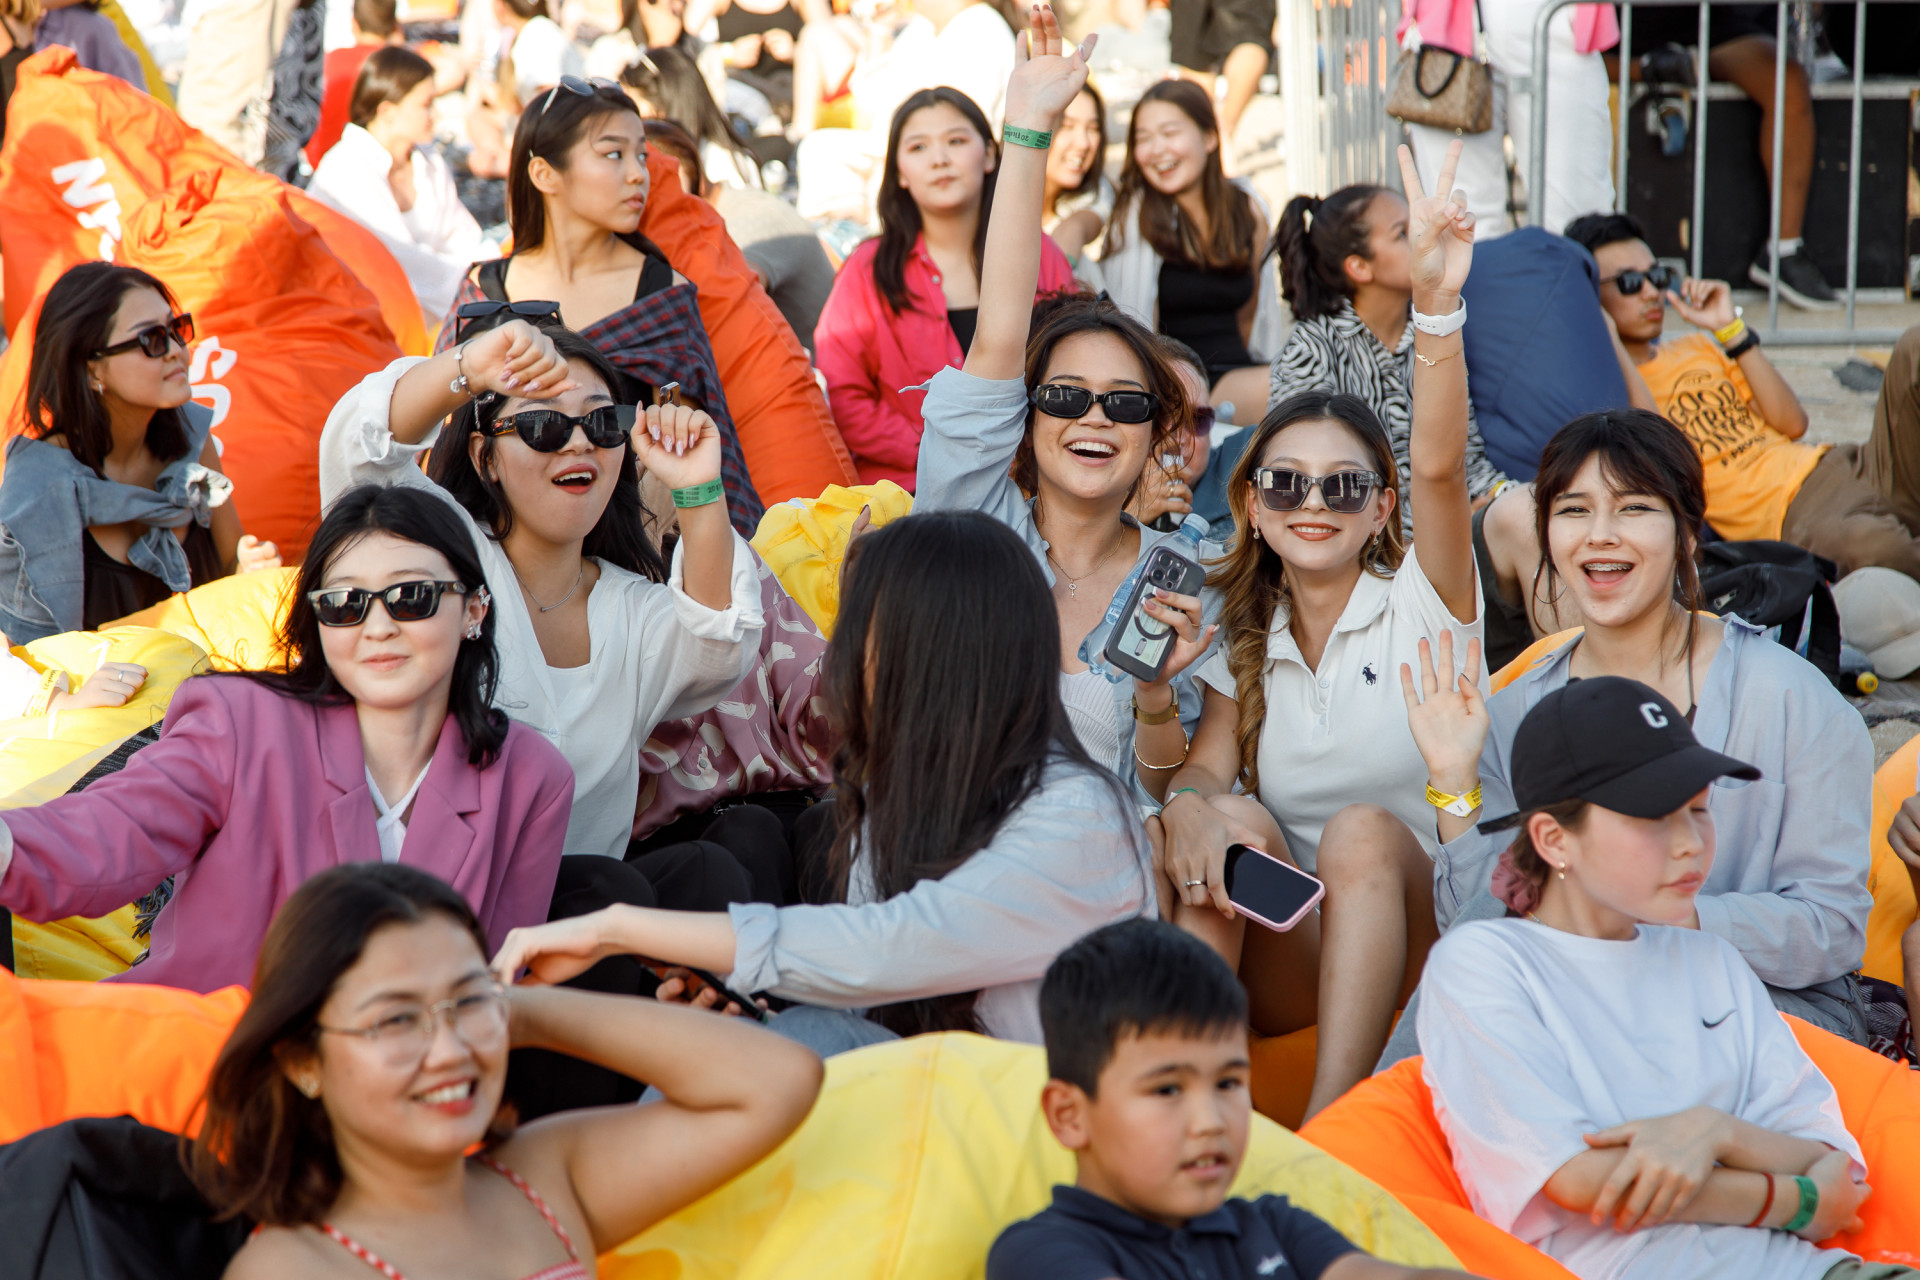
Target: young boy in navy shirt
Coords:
[[1146, 1032]]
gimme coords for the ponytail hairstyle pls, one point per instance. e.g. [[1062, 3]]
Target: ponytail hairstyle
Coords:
[[1252, 578], [1234, 239], [1520, 877], [1642, 453], [1313, 242], [900, 216]]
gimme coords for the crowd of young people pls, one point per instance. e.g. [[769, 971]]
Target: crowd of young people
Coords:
[[608, 764]]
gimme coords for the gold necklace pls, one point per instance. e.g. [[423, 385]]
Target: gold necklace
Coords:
[[1073, 583]]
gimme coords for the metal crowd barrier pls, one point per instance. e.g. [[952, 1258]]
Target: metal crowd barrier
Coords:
[[1848, 335], [1336, 62]]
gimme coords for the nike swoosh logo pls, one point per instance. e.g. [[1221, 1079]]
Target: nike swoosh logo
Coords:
[[1717, 1021]]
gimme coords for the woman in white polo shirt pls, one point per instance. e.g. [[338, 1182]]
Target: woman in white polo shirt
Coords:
[[1303, 705]]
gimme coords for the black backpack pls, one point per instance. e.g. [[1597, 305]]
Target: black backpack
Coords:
[[1776, 584]]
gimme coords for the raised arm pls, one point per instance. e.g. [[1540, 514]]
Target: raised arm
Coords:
[[1440, 243], [1709, 305], [1045, 80], [515, 359]]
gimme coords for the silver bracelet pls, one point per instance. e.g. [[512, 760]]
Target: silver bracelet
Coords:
[[459, 386], [1441, 326]]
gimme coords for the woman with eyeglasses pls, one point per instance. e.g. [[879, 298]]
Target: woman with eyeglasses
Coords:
[[374, 739], [1303, 748], [113, 499], [576, 193], [355, 1112], [1054, 436]]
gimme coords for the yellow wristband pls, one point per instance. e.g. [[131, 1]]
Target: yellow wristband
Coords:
[[1730, 334], [1458, 806], [51, 681]]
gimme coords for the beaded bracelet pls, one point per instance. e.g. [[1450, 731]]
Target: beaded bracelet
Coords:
[[1014, 135], [697, 495]]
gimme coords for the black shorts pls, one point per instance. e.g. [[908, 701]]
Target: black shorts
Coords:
[[1206, 31]]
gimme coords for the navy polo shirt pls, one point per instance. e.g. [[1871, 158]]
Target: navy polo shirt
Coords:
[[1084, 1237]]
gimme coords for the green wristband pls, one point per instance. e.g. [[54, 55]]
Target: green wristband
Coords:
[[1809, 1204], [1182, 791], [698, 495], [1013, 135]]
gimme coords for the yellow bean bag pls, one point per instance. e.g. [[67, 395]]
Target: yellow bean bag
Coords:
[[1887, 879], [41, 757], [233, 619], [920, 1152], [804, 541]]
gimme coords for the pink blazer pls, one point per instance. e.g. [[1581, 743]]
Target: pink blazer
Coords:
[[870, 357], [246, 794]]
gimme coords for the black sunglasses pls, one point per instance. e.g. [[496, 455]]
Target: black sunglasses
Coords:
[[1629, 283], [405, 602], [155, 339], [1061, 400], [475, 318], [1284, 489], [585, 87], [548, 430]]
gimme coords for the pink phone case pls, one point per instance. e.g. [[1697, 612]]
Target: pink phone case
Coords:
[[1281, 926]]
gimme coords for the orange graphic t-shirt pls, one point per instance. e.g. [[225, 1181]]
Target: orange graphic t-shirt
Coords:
[[1752, 470]]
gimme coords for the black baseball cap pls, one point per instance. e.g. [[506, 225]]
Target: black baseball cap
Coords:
[[1613, 742]]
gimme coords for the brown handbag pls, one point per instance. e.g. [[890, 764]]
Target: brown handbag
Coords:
[[1444, 89]]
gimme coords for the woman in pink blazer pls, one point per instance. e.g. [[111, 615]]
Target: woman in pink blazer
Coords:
[[903, 305], [376, 741]]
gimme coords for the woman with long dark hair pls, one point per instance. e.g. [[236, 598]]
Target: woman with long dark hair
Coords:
[[1185, 248], [1302, 748], [1620, 497], [1078, 199], [363, 1140], [374, 739], [576, 191], [906, 303], [113, 499], [666, 84], [969, 854]]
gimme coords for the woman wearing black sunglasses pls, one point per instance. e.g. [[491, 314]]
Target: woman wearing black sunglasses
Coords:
[[1059, 453], [374, 739], [1322, 604], [113, 499]]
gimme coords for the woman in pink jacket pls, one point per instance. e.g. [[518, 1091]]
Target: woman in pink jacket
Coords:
[[376, 742], [903, 305]]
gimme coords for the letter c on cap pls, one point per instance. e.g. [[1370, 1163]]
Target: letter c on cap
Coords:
[[1653, 715]]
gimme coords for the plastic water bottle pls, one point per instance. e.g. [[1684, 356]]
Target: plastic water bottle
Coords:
[[1093, 650]]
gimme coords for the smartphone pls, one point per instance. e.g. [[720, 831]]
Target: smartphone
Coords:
[[701, 978], [1268, 891], [1141, 642]]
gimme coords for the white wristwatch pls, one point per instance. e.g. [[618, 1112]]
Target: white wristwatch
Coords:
[[1441, 326]]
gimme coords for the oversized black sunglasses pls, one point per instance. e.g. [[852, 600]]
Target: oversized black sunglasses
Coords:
[[1062, 400], [476, 318], [405, 602], [1284, 489], [155, 339], [1629, 283], [548, 430], [584, 86]]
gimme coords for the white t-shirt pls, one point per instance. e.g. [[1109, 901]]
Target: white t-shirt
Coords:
[[1534, 1037], [1338, 735], [973, 53], [541, 54]]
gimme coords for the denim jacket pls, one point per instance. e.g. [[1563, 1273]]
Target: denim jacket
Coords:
[[973, 427], [48, 500]]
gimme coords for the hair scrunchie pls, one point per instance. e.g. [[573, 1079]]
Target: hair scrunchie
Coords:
[[1512, 886]]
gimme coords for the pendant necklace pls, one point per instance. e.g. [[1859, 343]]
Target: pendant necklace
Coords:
[[1073, 583], [549, 608]]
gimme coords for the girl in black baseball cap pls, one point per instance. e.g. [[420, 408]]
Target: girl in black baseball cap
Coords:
[[1616, 1087]]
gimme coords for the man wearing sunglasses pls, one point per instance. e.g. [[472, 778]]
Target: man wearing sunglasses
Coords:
[[1856, 505]]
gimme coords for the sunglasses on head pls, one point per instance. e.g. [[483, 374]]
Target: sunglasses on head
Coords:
[[1062, 400], [548, 430], [1284, 489], [405, 602], [1629, 283], [156, 339], [585, 87], [475, 318]]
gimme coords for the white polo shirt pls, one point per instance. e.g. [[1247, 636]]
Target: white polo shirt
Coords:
[[1338, 735]]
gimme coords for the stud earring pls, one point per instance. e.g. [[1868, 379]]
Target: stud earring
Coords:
[[473, 631], [1563, 872], [308, 1088]]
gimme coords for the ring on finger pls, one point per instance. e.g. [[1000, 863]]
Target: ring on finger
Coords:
[[1191, 883]]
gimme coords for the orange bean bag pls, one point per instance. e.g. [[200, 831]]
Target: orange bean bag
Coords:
[[1888, 879], [1385, 1129], [1529, 656], [793, 450], [70, 1049]]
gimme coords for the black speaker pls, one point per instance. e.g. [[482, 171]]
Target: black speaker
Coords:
[[1738, 210]]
